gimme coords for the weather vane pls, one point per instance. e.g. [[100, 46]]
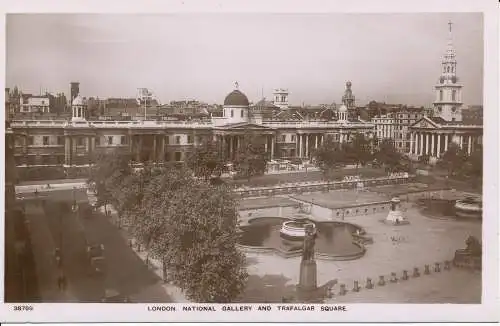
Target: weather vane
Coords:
[[450, 24], [236, 84]]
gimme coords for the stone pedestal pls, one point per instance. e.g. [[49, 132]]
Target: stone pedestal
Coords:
[[395, 215], [308, 276]]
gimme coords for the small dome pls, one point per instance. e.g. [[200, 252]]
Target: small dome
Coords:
[[342, 108], [78, 100], [236, 98]]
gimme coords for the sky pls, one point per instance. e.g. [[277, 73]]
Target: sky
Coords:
[[394, 58]]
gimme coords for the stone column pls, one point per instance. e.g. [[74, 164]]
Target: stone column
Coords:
[[265, 144], [322, 140], [307, 145], [411, 143], [301, 139], [316, 141], [438, 153], [426, 143], [162, 149], [231, 144], [272, 147], [469, 145], [421, 144], [67, 150], [432, 144], [139, 148], [461, 137], [445, 143]]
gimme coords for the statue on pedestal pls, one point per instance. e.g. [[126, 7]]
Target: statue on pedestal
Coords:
[[308, 274], [309, 242]]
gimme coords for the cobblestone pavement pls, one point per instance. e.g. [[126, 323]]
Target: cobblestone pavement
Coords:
[[423, 241], [455, 286]]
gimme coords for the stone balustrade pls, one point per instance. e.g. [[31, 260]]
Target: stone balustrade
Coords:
[[304, 187]]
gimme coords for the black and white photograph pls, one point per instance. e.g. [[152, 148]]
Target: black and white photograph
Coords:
[[234, 164]]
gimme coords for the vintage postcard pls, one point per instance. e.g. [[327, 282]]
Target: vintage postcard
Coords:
[[278, 162]]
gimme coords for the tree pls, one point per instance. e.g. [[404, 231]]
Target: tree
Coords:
[[475, 163], [107, 174], [329, 155], [388, 155], [360, 150], [191, 226], [454, 159], [251, 157], [206, 161]]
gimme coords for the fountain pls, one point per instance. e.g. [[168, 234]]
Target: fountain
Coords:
[[295, 229], [334, 240], [469, 207]]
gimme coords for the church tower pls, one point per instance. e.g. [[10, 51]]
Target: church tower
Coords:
[[348, 99], [448, 102]]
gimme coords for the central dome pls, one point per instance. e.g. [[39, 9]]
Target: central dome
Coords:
[[236, 98]]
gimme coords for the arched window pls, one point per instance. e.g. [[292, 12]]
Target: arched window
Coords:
[[448, 69], [453, 95], [440, 95], [232, 113]]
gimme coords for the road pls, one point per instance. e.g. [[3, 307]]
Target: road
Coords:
[[125, 273]]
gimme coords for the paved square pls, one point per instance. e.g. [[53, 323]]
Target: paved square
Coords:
[[342, 198]]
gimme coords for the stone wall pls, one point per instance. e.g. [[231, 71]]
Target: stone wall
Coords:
[[306, 187]]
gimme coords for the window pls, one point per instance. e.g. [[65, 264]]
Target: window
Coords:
[[293, 138], [283, 138], [45, 140], [453, 95], [167, 140], [452, 119], [110, 140], [80, 141], [177, 140], [98, 141], [30, 140], [190, 138], [448, 69], [232, 113], [241, 113], [60, 140], [178, 156], [123, 140], [440, 95]]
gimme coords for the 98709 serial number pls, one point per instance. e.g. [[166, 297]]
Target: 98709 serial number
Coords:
[[23, 308]]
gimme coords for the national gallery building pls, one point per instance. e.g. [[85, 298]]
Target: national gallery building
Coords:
[[74, 141]]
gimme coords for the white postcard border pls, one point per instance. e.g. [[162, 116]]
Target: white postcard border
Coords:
[[487, 311]]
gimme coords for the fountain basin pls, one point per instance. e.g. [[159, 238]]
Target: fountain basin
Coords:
[[296, 229], [469, 208], [334, 240]]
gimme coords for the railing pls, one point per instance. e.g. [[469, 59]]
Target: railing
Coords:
[[175, 124], [315, 124]]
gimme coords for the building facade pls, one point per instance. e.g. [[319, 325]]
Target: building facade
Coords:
[[34, 104], [74, 142], [396, 125], [432, 136]]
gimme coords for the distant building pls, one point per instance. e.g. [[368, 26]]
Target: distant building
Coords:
[[473, 114], [33, 103], [395, 126], [280, 98]]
